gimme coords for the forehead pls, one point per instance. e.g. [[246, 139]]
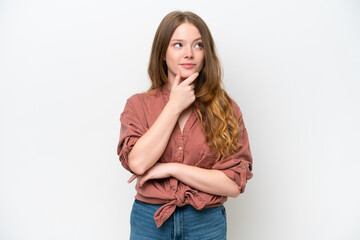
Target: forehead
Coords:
[[186, 31]]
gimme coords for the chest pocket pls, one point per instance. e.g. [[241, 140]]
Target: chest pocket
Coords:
[[206, 157]]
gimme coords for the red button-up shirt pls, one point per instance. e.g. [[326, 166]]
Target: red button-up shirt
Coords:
[[190, 147]]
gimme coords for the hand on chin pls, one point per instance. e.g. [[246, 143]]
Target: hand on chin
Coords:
[[186, 74]]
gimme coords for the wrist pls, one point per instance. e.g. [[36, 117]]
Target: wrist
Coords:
[[173, 107], [174, 168]]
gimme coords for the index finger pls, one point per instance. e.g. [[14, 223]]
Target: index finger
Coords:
[[190, 79]]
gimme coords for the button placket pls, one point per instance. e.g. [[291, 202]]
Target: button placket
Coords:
[[180, 153]]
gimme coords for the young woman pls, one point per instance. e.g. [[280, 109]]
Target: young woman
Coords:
[[184, 139]]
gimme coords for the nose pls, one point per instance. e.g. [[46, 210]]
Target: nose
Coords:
[[189, 53]]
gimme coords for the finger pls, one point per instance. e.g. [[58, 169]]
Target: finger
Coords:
[[138, 181], [177, 79], [142, 181], [190, 79], [132, 178]]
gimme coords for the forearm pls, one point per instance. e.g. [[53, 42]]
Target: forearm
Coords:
[[207, 180], [152, 144]]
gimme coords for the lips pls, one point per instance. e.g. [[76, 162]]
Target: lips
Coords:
[[188, 65]]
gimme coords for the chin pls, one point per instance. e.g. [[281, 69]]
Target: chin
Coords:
[[186, 74]]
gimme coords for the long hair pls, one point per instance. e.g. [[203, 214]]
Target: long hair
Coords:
[[214, 109]]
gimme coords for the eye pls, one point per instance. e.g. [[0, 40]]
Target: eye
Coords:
[[178, 44], [200, 45]]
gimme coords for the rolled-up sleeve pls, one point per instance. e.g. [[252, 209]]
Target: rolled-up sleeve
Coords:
[[130, 131], [238, 166]]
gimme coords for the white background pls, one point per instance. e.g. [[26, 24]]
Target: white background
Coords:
[[67, 68]]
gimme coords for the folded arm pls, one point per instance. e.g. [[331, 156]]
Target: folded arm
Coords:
[[207, 180]]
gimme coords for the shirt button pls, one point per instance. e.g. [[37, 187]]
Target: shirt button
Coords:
[[242, 166], [180, 148]]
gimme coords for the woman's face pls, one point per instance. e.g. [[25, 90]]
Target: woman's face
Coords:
[[185, 52]]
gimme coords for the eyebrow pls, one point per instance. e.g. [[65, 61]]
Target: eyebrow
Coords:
[[180, 40]]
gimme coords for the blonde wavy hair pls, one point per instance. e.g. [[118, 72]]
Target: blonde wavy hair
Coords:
[[215, 111]]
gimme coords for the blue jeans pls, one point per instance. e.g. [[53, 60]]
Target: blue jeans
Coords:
[[186, 223]]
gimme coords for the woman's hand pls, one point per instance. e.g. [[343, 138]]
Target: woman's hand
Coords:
[[158, 171], [182, 94]]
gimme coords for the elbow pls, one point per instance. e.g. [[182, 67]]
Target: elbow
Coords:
[[234, 192], [232, 189], [138, 169]]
